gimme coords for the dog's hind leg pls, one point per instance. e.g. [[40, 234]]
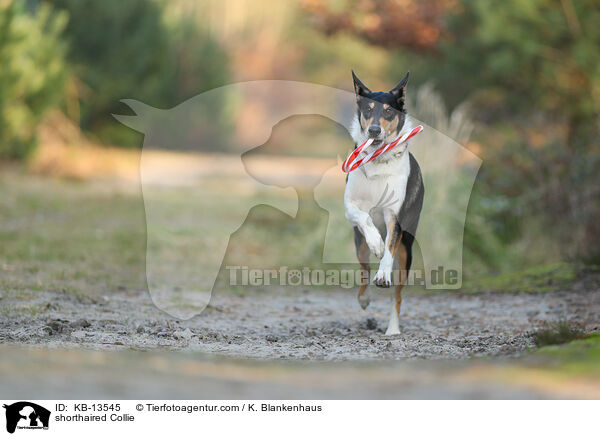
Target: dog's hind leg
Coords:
[[363, 253], [403, 255]]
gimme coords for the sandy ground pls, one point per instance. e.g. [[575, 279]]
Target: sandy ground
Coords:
[[286, 345], [42, 373], [303, 324]]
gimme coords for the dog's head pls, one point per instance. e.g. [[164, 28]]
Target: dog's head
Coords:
[[379, 115]]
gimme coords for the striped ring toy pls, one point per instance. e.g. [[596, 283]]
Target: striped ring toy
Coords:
[[351, 163]]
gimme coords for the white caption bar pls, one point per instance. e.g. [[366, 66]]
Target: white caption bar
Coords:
[[291, 417]]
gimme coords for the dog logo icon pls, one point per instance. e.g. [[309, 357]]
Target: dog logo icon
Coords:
[[26, 415]]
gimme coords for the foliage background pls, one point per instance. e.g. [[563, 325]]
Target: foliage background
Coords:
[[528, 70]]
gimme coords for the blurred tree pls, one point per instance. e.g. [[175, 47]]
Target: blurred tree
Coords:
[[116, 49], [412, 24], [537, 55], [32, 73], [195, 62], [533, 69], [125, 50]]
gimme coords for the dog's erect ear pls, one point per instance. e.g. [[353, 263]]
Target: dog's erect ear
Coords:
[[359, 88], [399, 91]]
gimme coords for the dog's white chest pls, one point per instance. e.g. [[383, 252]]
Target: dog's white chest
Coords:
[[379, 186]]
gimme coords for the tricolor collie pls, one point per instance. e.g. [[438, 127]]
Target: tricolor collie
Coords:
[[383, 198]]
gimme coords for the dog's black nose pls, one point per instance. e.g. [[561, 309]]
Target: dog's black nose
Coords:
[[374, 131]]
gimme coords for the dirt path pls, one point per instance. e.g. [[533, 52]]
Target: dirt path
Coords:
[[54, 374], [319, 325]]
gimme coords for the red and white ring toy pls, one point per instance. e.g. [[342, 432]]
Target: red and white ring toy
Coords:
[[352, 162]]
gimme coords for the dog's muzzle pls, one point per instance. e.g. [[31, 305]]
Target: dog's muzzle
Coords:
[[374, 131]]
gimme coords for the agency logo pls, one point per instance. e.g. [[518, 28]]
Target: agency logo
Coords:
[[26, 415]]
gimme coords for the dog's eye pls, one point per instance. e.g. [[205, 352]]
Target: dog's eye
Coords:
[[388, 111], [368, 110]]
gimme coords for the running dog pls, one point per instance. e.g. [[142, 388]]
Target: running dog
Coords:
[[383, 198]]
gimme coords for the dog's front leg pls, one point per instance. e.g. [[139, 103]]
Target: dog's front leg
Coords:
[[383, 278], [362, 220]]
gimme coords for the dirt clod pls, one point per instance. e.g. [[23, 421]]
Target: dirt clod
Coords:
[[371, 323], [81, 323]]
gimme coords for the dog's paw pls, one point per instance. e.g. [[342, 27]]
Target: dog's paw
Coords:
[[375, 243], [380, 248], [383, 278], [392, 330], [364, 300]]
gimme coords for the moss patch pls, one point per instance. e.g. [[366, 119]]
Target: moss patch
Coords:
[[553, 277], [557, 333], [579, 357]]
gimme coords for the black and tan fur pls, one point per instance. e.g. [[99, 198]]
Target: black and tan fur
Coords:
[[382, 116]]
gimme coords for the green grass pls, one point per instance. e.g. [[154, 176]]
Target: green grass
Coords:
[[579, 357], [65, 236], [87, 238], [544, 278]]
